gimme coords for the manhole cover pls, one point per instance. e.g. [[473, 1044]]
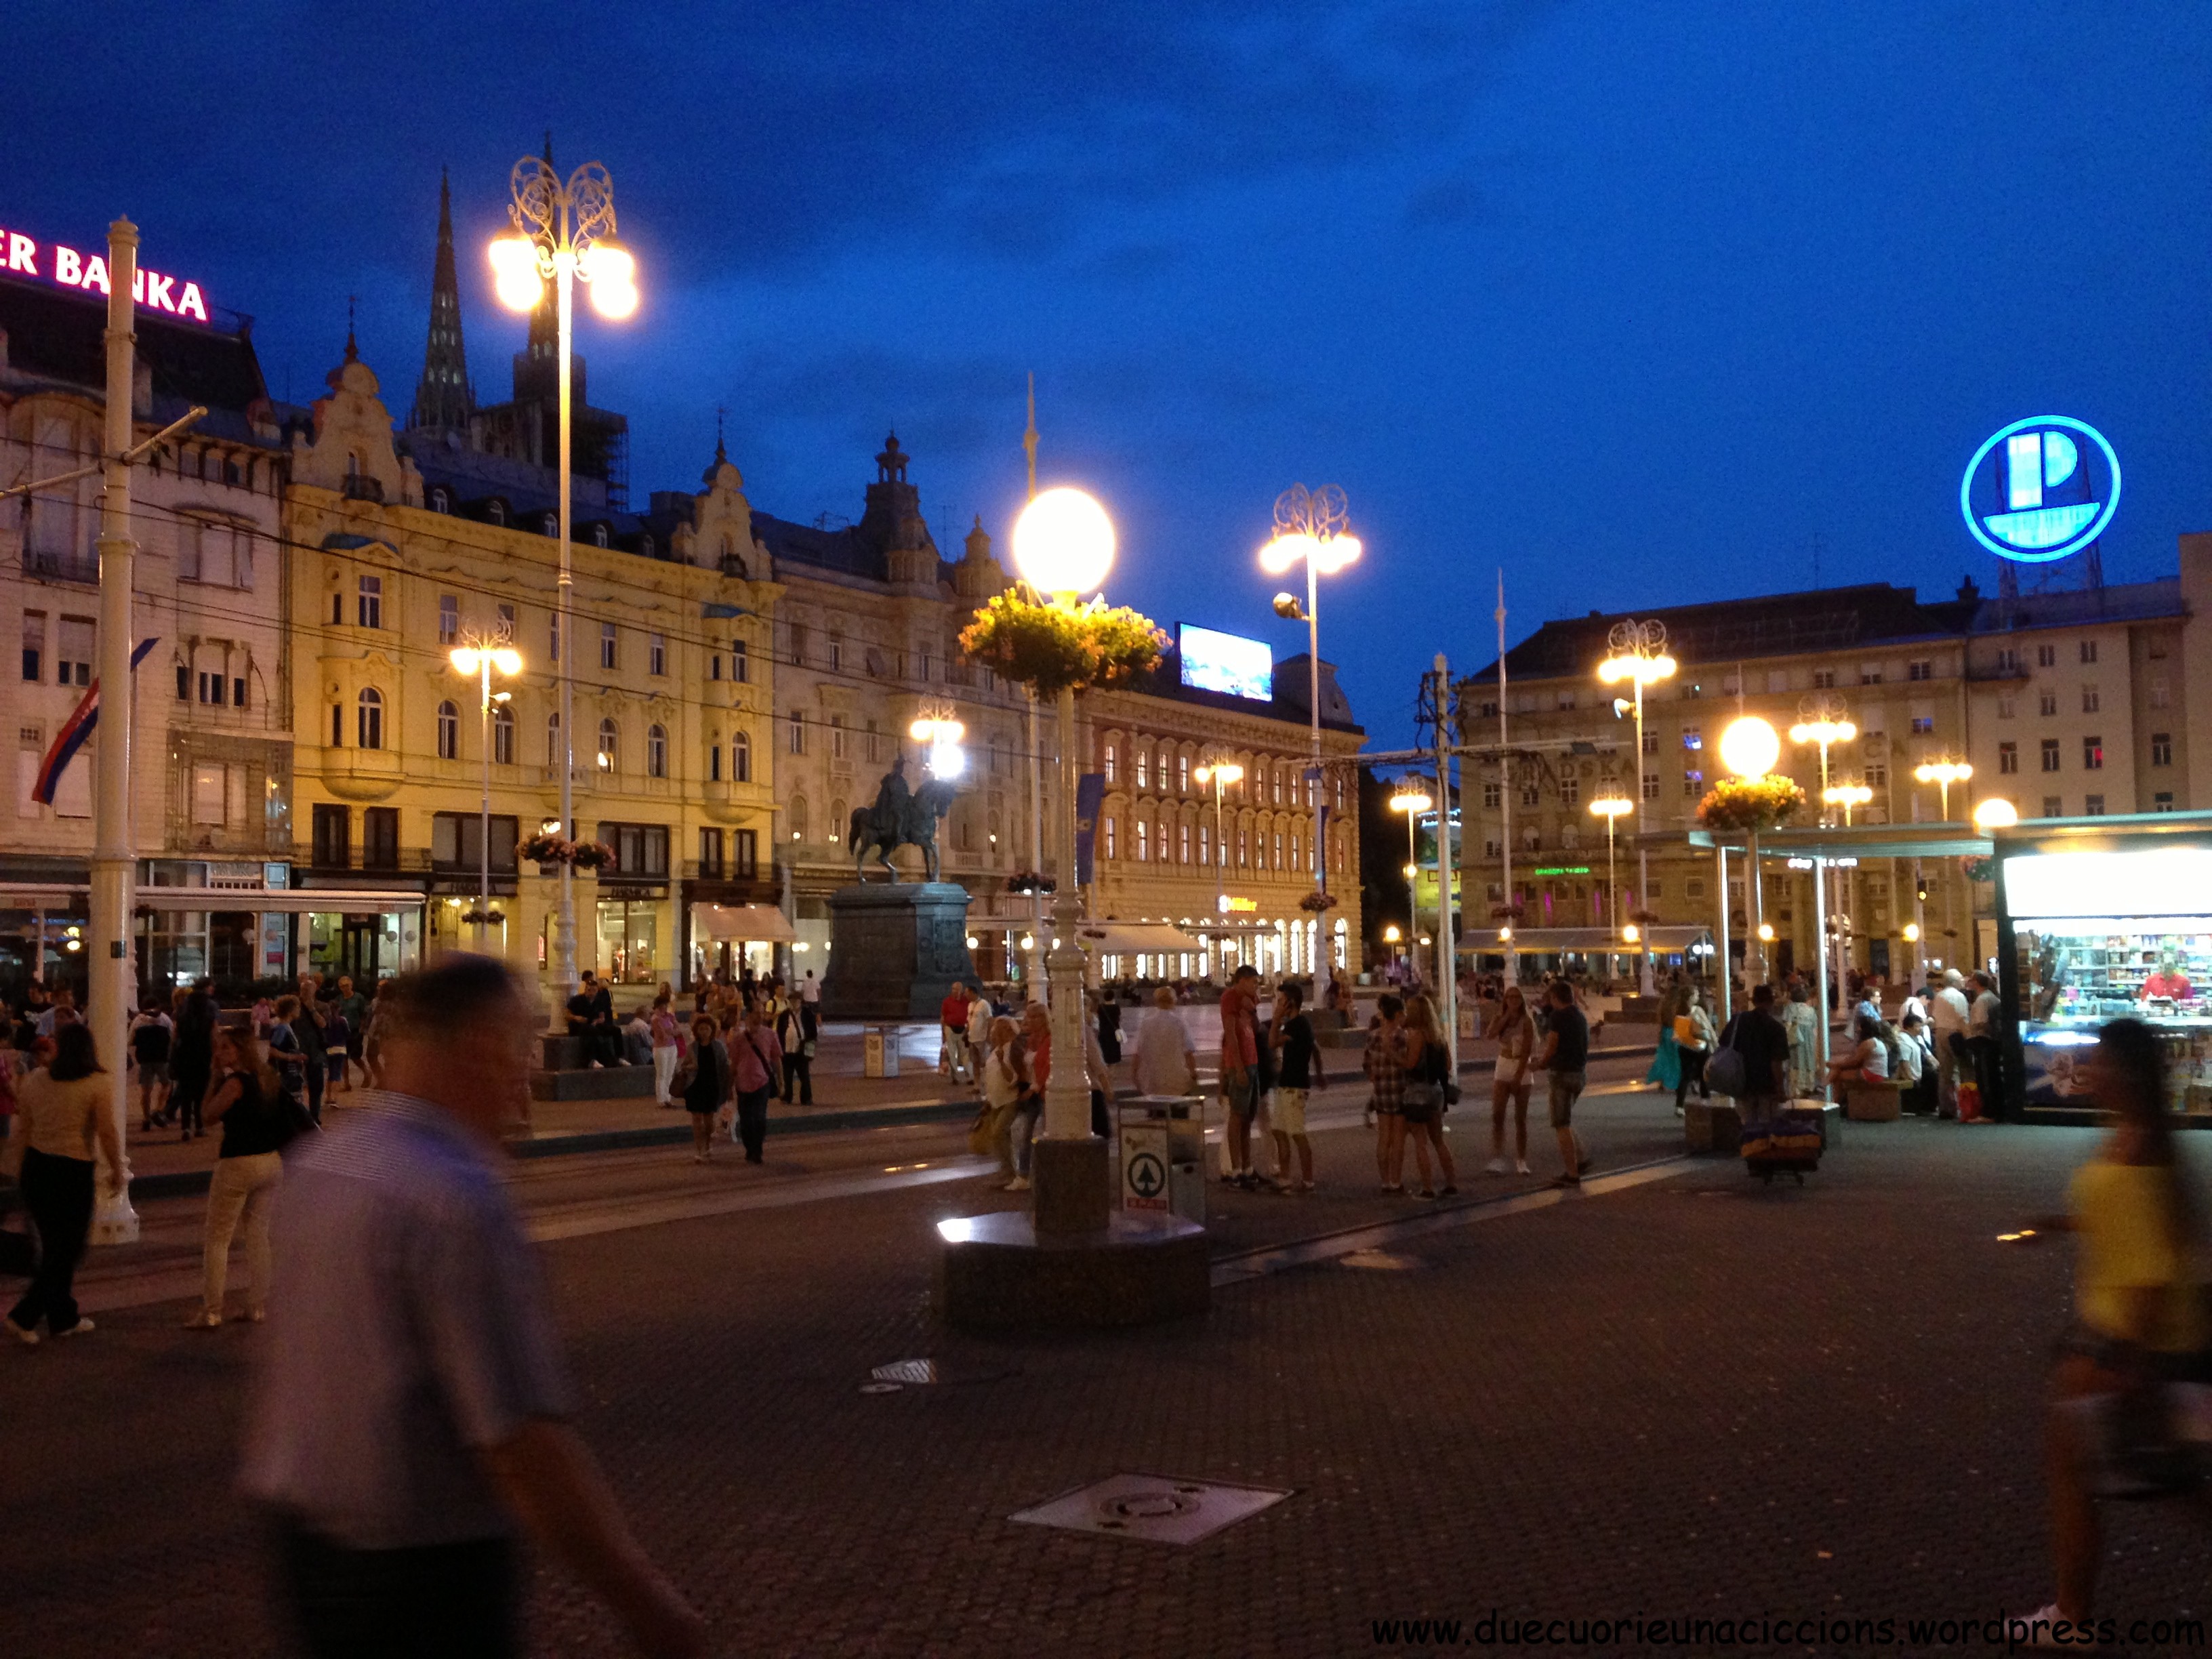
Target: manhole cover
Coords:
[[882, 1388], [1160, 1508], [1383, 1261]]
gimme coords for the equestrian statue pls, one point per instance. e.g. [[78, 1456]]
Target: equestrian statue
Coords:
[[901, 816]]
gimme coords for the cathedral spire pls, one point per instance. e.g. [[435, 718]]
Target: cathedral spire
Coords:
[[442, 398]]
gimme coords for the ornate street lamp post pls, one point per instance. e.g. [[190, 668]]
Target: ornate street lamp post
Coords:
[[1749, 749], [1639, 654], [1825, 721], [1412, 803], [1313, 527], [480, 658], [563, 231], [1943, 774]]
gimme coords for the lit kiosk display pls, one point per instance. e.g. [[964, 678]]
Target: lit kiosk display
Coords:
[[2099, 918]]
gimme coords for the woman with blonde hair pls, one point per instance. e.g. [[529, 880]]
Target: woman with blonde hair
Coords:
[[1426, 1057], [246, 1100], [1515, 1032], [1005, 1080]]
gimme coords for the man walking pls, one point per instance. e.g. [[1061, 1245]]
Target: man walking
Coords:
[[1566, 1058], [410, 1408], [1762, 1043]]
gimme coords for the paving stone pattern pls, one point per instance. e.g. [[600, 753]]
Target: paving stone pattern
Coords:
[[1697, 1397]]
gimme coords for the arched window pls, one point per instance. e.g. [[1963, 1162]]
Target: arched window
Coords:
[[656, 751], [449, 732], [610, 743], [837, 816], [496, 512], [551, 524], [441, 501], [741, 759], [369, 726], [598, 535], [502, 736], [797, 813], [556, 757]]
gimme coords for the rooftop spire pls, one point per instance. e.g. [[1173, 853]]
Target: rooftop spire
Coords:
[[443, 396], [352, 351]]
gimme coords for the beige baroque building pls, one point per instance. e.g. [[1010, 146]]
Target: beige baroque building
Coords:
[[2069, 703], [397, 554], [1231, 873]]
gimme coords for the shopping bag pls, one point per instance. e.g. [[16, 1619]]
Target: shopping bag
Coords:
[[1969, 1101]]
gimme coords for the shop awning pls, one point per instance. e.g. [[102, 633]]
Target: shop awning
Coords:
[[1587, 941], [1122, 939], [756, 924]]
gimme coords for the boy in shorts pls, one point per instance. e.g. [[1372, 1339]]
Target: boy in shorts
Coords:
[[1299, 1069], [1566, 1057]]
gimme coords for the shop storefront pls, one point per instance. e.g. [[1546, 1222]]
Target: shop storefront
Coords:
[[2102, 918]]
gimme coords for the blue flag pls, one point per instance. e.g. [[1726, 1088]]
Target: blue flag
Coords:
[[1090, 795]]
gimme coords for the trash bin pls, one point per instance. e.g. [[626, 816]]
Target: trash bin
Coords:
[[1163, 1154], [879, 1046]]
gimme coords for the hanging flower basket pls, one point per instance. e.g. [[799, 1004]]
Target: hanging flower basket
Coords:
[[545, 848], [1645, 918], [1748, 805], [1028, 881], [1979, 869], [1318, 902], [473, 917], [1508, 912], [1051, 647]]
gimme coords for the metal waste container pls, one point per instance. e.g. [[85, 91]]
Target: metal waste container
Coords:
[[879, 1051], [1163, 1154]]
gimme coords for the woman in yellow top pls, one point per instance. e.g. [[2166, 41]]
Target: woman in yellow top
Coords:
[[62, 1111], [2139, 1296]]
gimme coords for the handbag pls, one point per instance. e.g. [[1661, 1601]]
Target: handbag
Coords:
[[1724, 1073]]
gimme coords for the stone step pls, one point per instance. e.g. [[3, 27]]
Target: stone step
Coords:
[[607, 1083]]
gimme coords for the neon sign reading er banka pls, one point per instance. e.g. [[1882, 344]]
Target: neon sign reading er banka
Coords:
[[2042, 480], [66, 267]]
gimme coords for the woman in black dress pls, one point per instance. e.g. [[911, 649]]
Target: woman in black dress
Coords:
[[708, 1069]]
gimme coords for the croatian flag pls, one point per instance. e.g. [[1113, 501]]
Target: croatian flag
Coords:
[[75, 730]]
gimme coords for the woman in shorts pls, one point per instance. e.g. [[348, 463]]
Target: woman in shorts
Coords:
[[1515, 1031]]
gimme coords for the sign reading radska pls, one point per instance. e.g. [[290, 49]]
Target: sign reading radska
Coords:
[[66, 267]]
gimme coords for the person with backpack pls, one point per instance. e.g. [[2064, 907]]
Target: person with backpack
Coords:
[[247, 1102], [1751, 1064]]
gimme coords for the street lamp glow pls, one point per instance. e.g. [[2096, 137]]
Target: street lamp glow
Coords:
[[1943, 774], [514, 272], [1410, 801], [1847, 796], [1390, 934], [1766, 932], [1064, 543], [1823, 732], [465, 658], [611, 273], [1227, 773], [1611, 806], [1996, 813], [1750, 747], [1642, 669], [1912, 933], [1631, 933]]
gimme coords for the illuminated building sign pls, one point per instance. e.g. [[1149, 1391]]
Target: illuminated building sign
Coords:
[[66, 267], [1232, 905], [1226, 662], [2033, 492], [1560, 870]]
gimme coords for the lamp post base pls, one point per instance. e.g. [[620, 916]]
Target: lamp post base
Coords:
[[1072, 1183], [1000, 1273]]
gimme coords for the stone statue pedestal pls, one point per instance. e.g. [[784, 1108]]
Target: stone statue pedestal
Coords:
[[896, 949]]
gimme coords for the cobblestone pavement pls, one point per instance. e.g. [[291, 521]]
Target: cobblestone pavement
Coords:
[[1691, 1397]]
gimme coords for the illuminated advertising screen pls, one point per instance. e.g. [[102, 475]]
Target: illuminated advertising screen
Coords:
[[1226, 662]]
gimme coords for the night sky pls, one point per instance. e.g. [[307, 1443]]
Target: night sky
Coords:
[[1634, 300]]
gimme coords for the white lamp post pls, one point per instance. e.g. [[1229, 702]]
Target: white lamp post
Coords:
[[561, 231], [1749, 748], [1063, 547], [1943, 774], [481, 658], [1220, 774], [1412, 803], [1611, 808], [1639, 656], [1824, 723], [1312, 528]]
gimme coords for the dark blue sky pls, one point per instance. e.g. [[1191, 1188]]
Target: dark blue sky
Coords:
[[1631, 298]]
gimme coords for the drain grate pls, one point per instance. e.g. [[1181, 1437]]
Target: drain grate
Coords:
[[906, 1371], [1160, 1508]]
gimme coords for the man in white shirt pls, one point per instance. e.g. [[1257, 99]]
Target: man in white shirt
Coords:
[[1948, 1014], [1166, 1061]]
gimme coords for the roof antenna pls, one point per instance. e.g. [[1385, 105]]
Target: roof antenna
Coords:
[[1030, 436]]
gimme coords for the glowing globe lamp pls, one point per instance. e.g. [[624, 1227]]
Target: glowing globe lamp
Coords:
[[1750, 747], [1064, 543]]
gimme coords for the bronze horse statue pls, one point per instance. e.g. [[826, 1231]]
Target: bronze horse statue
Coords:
[[914, 825]]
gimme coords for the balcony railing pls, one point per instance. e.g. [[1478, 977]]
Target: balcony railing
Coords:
[[62, 564]]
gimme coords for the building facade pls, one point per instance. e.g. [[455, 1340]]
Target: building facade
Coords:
[[397, 553], [1231, 872], [211, 756], [2066, 703]]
